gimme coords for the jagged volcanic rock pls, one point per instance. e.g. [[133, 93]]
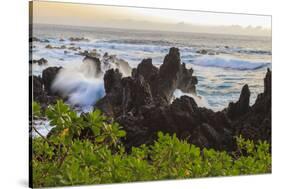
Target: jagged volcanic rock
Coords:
[[256, 123], [141, 104], [37, 86], [48, 76], [106, 62], [173, 75], [242, 106], [147, 85], [41, 86]]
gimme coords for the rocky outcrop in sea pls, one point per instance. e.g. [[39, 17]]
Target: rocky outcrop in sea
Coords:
[[143, 104]]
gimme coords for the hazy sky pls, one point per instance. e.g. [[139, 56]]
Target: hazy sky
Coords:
[[149, 19]]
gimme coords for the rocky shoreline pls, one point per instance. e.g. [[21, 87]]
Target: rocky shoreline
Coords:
[[142, 103]]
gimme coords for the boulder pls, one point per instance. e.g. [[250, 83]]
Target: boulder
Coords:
[[90, 54], [49, 46], [41, 61], [78, 39], [203, 51]]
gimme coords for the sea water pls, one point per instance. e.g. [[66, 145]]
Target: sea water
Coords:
[[231, 60]]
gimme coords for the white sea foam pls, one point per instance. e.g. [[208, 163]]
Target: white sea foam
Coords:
[[241, 56], [80, 85], [43, 126], [200, 100], [225, 62]]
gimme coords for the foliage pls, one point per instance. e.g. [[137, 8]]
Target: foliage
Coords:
[[86, 149], [36, 109]]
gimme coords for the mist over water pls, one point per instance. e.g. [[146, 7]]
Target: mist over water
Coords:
[[80, 85]]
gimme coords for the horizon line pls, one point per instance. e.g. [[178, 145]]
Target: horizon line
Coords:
[[154, 30]]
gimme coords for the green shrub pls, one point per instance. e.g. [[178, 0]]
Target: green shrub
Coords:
[[86, 149]]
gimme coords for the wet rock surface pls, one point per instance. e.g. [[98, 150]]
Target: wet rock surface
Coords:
[[203, 51], [36, 39], [105, 62], [242, 106], [91, 54], [255, 124], [62, 47], [95, 65], [78, 39], [142, 105], [207, 52], [41, 61], [48, 76], [41, 86], [148, 84]]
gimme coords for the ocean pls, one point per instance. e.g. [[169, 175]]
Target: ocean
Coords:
[[222, 63]]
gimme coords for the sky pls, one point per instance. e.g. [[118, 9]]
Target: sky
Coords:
[[150, 19]]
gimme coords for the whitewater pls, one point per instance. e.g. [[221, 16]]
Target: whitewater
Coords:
[[225, 65]]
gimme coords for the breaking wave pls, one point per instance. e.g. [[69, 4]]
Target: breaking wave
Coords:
[[79, 85], [229, 63]]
